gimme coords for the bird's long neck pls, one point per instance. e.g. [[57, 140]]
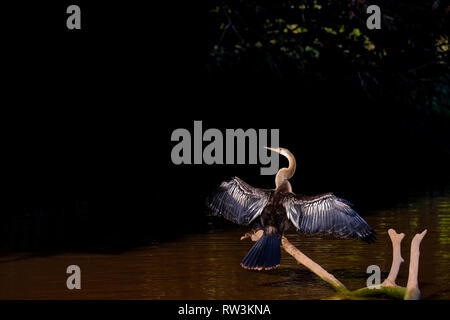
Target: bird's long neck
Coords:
[[285, 174]]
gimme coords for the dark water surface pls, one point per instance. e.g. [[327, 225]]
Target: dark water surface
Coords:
[[206, 266]]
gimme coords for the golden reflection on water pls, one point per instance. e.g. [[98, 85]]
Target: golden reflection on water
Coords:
[[206, 266]]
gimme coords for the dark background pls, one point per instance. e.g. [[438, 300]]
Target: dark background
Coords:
[[89, 115]]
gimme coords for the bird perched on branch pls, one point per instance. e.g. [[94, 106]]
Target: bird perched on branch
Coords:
[[274, 210]]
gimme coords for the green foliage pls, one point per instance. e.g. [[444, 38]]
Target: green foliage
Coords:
[[405, 61]]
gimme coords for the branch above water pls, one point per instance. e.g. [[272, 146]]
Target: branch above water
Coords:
[[388, 289]]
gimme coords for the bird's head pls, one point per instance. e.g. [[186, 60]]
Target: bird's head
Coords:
[[282, 151]]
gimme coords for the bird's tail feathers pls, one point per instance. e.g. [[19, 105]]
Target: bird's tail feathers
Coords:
[[264, 255]]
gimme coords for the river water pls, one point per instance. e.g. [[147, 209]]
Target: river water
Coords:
[[206, 266]]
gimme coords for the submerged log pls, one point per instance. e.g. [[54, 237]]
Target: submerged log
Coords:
[[388, 289]]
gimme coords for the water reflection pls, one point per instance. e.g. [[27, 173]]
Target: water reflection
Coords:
[[206, 266]]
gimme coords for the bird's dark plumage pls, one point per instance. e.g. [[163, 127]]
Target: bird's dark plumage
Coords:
[[238, 202], [274, 211], [265, 254], [327, 214]]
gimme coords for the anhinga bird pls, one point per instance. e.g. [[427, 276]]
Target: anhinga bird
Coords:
[[237, 201]]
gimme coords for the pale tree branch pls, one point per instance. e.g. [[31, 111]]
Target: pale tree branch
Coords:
[[397, 259], [311, 265], [412, 288]]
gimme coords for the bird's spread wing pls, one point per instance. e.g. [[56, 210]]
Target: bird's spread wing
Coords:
[[327, 214], [237, 201]]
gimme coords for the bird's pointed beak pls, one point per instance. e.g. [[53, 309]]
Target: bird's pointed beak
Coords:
[[273, 149]]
